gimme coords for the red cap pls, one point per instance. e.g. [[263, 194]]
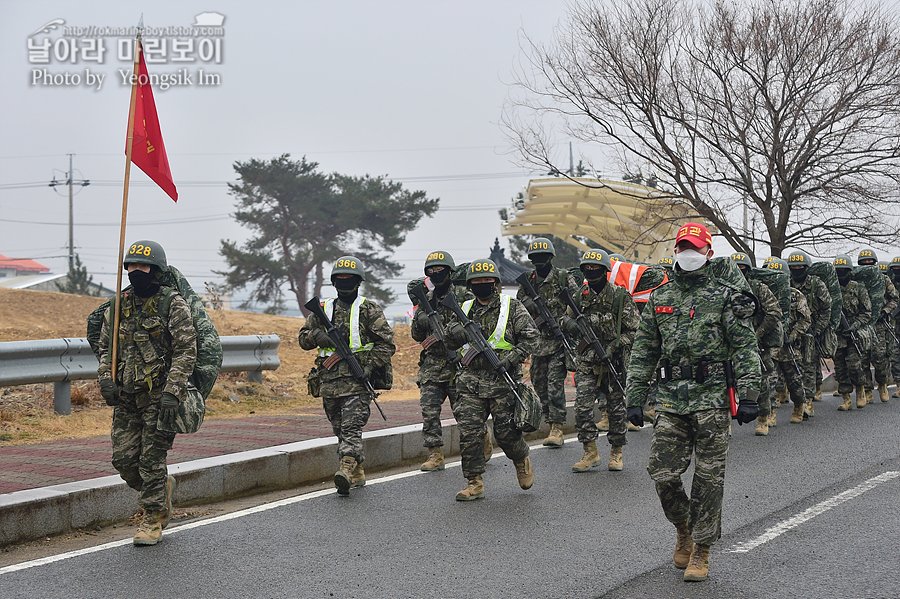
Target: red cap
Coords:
[[694, 233]]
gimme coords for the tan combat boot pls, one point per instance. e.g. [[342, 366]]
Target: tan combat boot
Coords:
[[860, 398], [342, 476], [818, 395], [603, 423], [488, 447], [474, 490], [869, 397], [781, 396], [762, 426], [435, 460], [883, 392], [149, 531], [773, 420], [836, 393], [808, 407], [897, 391], [683, 546], [555, 438], [633, 427], [524, 473], [649, 415], [797, 414], [615, 459], [698, 567], [170, 491], [845, 403], [358, 477], [590, 458]]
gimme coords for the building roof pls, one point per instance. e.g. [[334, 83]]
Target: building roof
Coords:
[[22, 265], [509, 270]]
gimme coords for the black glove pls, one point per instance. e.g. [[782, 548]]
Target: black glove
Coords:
[[508, 363], [421, 319], [790, 339], [571, 327], [321, 338], [747, 411], [368, 369], [110, 392], [636, 415], [457, 332], [529, 304], [168, 410]]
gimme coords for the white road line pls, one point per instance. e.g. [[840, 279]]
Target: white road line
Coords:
[[810, 513]]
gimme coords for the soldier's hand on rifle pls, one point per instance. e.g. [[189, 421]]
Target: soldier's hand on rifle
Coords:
[[321, 338], [421, 319], [790, 339], [168, 410], [458, 333], [529, 304], [508, 363], [747, 411], [110, 392], [570, 326], [368, 369], [636, 415], [614, 345]]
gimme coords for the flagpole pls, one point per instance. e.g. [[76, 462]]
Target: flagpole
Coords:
[[114, 332]]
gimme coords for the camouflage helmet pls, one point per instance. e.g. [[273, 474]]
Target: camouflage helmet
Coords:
[[882, 265], [482, 268], [777, 264], [799, 258], [742, 259], [895, 262], [842, 261], [596, 256], [349, 265], [667, 262], [767, 260], [440, 258], [541, 245], [867, 254], [617, 257], [146, 251]]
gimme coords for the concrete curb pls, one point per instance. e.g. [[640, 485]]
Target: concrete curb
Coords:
[[35, 513]]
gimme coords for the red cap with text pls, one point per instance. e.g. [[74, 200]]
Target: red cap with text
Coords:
[[694, 233]]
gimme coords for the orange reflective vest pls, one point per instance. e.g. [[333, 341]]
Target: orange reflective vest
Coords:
[[627, 275]]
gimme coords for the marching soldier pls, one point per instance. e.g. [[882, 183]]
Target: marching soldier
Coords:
[[548, 362], [856, 313], [880, 354], [344, 397], [894, 271], [696, 328], [789, 356], [614, 317]]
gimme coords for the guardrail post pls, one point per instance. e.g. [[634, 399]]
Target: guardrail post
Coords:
[[62, 397], [254, 376]]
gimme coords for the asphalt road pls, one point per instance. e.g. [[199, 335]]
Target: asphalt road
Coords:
[[810, 511]]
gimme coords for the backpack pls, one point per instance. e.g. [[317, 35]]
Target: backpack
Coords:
[[871, 278], [209, 348], [779, 283], [826, 273]]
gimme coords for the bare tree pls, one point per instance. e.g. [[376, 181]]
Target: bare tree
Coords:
[[788, 109]]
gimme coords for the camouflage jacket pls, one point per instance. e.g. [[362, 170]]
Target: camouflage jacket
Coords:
[[857, 309], [818, 300], [694, 317], [521, 333], [157, 348], [548, 288], [801, 320], [437, 364], [770, 310], [891, 297], [600, 310], [373, 328]]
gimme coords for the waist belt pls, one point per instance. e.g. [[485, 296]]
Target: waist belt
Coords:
[[698, 372]]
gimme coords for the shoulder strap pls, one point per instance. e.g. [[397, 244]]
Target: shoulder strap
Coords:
[[166, 301], [562, 277]]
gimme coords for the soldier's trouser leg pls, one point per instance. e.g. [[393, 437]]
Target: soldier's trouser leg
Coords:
[[895, 360], [810, 367], [675, 438], [881, 355], [793, 380], [615, 411], [471, 414], [764, 401], [139, 452], [841, 371], [548, 376], [348, 415], [586, 397], [777, 380], [431, 398], [509, 438], [858, 368]]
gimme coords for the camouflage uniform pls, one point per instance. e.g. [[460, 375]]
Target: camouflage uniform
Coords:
[[481, 391], [548, 361], [344, 397], [764, 322], [818, 300], [437, 367], [794, 339], [593, 380], [848, 368], [881, 354], [895, 322], [160, 360], [694, 317]]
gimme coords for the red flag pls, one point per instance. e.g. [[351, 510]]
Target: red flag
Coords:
[[148, 150]]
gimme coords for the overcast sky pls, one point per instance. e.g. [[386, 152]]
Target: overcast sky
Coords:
[[411, 90]]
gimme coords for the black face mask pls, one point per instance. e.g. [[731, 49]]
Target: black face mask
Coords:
[[482, 290], [798, 274], [597, 284], [144, 283], [595, 274], [843, 276], [347, 289], [542, 268], [440, 278], [745, 272]]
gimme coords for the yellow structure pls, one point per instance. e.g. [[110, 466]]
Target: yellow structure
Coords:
[[633, 220]]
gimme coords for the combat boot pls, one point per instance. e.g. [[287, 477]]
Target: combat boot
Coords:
[[603, 423], [860, 398], [808, 408], [773, 420], [170, 491], [590, 458], [649, 414], [897, 391], [683, 546], [149, 531], [435, 460], [762, 426], [555, 438], [358, 477], [474, 489], [883, 392], [615, 459], [633, 427], [818, 395], [845, 403], [869, 397], [781, 396], [488, 447], [698, 567], [524, 473], [836, 393], [342, 476], [797, 414]]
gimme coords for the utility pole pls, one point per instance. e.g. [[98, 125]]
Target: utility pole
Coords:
[[70, 176]]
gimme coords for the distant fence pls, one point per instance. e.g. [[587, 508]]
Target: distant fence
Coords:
[[61, 361]]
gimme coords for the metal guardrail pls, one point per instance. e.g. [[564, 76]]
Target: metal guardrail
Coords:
[[61, 361]]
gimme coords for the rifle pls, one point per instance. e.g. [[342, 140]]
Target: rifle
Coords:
[[732, 388], [437, 323], [343, 350], [479, 345], [883, 319], [845, 324], [544, 314], [821, 351], [589, 336], [793, 353]]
